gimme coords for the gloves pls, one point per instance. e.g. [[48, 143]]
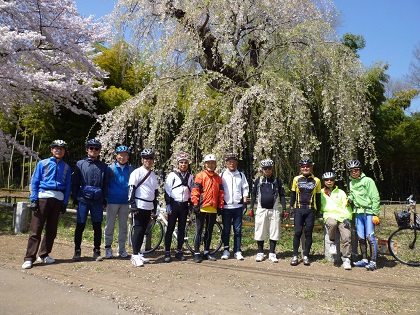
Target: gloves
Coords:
[[190, 207], [168, 208], [291, 212], [196, 209], [34, 206], [244, 208], [219, 211], [375, 220], [251, 213], [63, 209], [346, 223], [133, 207]]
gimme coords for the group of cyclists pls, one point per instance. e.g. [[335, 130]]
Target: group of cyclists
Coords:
[[120, 190]]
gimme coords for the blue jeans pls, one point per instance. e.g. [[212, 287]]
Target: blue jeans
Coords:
[[232, 217]]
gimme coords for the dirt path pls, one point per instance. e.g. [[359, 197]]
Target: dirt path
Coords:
[[238, 287]]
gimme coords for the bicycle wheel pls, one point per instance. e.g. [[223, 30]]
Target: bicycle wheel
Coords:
[[216, 239], [404, 246], [153, 237]]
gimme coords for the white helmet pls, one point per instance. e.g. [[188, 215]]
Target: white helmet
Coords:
[[210, 157]]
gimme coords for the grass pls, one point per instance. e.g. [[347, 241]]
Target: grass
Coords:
[[284, 247]]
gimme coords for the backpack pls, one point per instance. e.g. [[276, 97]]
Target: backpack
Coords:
[[184, 180], [267, 187]]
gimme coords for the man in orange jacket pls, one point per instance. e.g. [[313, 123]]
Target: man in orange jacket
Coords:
[[207, 197]]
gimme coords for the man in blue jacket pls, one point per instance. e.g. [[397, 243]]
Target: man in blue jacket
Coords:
[[50, 191], [119, 174], [89, 193]]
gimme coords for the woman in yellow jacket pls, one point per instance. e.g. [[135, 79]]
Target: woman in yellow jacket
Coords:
[[207, 197], [336, 214]]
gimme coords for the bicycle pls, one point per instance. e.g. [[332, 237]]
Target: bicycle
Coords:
[[404, 243], [156, 230]]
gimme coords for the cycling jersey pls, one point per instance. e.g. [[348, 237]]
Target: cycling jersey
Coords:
[[235, 188], [118, 183], [333, 205], [177, 189], [304, 190], [208, 191], [51, 176], [365, 195]]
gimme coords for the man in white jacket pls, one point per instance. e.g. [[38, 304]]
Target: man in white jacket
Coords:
[[236, 190]]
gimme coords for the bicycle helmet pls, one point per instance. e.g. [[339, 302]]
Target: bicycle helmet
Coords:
[[93, 143], [58, 143], [182, 157], [353, 164], [231, 156], [122, 148], [306, 162], [210, 157], [147, 154], [266, 163], [328, 175]]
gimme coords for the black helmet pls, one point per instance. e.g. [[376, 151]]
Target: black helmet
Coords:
[[58, 143], [231, 156], [147, 154], [306, 162], [122, 148], [328, 175], [353, 164], [93, 143]]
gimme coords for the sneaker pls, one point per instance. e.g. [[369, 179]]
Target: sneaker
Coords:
[[260, 257], [225, 255], [306, 261], [197, 258], [333, 249], [167, 258], [238, 256], [361, 263], [123, 254], [77, 255], [136, 261], [144, 259], [46, 260], [272, 257], [27, 264], [180, 256], [209, 257], [346, 264], [97, 255], [294, 261], [371, 266], [108, 252]]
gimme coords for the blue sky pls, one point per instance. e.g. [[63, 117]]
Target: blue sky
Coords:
[[391, 29]]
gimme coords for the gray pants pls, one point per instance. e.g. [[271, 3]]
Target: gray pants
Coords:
[[345, 235], [112, 211]]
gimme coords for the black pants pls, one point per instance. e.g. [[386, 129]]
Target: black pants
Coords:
[[202, 220], [180, 213], [141, 220], [304, 222]]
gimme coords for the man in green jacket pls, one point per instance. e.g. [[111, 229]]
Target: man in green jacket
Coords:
[[336, 214], [366, 205]]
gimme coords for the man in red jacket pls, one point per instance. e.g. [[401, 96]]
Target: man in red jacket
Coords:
[[207, 197]]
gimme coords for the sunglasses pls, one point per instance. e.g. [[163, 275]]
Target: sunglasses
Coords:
[[93, 148], [329, 180], [267, 168]]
